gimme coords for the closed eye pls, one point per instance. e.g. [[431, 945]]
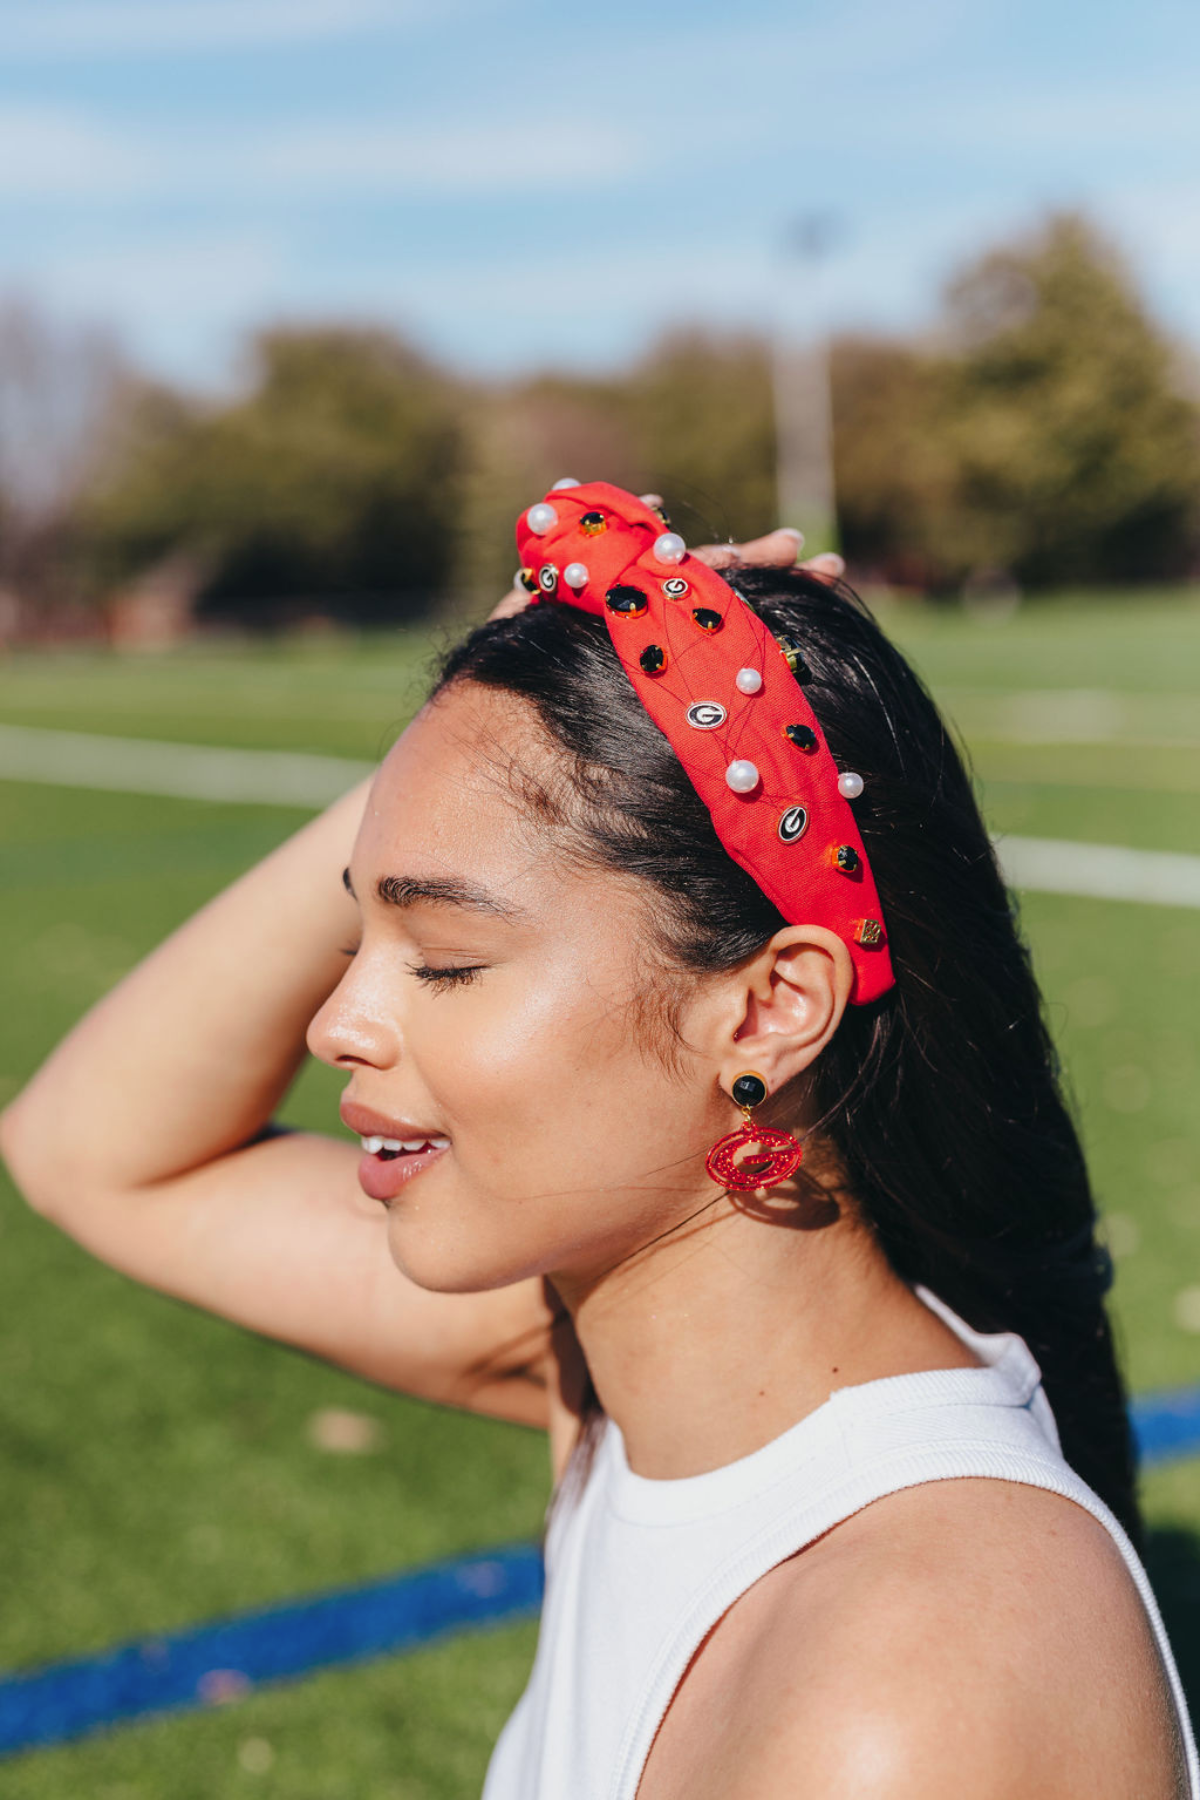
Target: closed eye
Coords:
[[451, 976]]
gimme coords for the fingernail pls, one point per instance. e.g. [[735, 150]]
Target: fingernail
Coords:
[[790, 531], [829, 559]]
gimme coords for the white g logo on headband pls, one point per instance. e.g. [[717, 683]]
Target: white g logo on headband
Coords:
[[706, 715], [793, 824]]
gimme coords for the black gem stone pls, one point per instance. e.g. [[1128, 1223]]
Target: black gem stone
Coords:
[[795, 662], [803, 736], [749, 1090], [847, 858], [627, 600], [707, 619], [653, 659], [592, 523], [528, 580]]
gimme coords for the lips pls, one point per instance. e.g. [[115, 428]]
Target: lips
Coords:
[[382, 1178], [395, 1151]]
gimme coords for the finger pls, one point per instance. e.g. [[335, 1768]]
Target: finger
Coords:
[[717, 556], [829, 566], [515, 601], [777, 550]]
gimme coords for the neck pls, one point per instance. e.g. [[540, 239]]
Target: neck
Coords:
[[742, 1320]]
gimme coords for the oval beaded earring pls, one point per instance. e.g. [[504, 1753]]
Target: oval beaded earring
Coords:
[[771, 1156]]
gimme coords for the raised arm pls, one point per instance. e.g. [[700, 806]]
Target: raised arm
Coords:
[[141, 1136]]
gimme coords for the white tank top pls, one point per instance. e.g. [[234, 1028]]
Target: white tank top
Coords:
[[639, 1571]]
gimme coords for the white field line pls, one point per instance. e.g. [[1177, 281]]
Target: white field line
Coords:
[[1101, 871], [184, 771], [287, 778]]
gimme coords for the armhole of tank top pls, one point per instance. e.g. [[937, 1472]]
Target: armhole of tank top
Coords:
[[773, 1550]]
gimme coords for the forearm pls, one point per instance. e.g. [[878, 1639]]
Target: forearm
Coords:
[[186, 1058]]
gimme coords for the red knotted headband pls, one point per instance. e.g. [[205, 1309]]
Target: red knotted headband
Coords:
[[727, 697]]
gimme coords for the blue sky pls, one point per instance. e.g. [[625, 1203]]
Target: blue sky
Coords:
[[520, 183]]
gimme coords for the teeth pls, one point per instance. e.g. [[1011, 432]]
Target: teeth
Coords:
[[373, 1145]]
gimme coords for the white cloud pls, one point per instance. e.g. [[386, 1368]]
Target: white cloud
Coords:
[[55, 154], [481, 159], [52, 153], [179, 299], [70, 28]]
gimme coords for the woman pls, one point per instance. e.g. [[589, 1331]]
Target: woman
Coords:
[[813, 1535]]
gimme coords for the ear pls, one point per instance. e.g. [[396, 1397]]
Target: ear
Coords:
[[786, 1006]]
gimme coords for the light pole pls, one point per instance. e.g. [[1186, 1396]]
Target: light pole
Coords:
[[800, 381]]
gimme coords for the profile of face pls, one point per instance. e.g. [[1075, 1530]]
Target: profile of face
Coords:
[[503, 998]]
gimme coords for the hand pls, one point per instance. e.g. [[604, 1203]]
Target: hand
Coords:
[[777, 550]]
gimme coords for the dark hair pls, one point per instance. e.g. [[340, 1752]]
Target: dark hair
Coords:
[[943, 1099]]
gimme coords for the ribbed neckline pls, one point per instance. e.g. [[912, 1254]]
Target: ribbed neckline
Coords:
[[1009, 1377]]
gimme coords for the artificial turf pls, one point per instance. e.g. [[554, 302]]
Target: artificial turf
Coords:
[[158, 1466]]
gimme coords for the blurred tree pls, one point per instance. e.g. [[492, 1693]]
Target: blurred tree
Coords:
[[60, 390], [692, 421], [1079, 456], [702, 425], [331, 488], [894, 469], [523, 438], [1045, 434]]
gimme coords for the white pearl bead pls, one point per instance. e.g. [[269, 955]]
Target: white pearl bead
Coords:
[[742, 777], [566, 482], [541, 518], [850, 785], [576, 575], [670, 547], [748, 681]]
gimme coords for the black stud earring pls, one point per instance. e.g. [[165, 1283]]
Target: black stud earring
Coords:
[[749, 1090]]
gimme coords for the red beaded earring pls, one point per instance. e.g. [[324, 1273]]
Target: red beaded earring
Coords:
[[772, 1155]]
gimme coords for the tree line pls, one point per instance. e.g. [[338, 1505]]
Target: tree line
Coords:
[[1045, 432]]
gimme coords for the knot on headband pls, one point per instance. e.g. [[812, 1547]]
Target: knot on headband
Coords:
[[728, 697]]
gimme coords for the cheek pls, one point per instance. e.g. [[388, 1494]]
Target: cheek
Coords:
[[533, 1077]]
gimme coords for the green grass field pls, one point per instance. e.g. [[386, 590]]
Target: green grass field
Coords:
[[158, 1467]]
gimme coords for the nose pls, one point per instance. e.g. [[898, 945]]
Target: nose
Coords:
[[353, 1028]]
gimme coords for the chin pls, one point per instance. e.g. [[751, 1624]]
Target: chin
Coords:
[[445, 1262]]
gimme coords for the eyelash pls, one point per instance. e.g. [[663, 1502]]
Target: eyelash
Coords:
[[451, 976], [448, 977]]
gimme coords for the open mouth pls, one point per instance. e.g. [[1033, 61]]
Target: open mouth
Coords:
[[388, 1149], [389, 1164]]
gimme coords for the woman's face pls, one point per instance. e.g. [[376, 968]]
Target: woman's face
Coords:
[[493, 1004]]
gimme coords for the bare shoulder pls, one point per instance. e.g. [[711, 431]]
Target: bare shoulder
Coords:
[[971, 1635]]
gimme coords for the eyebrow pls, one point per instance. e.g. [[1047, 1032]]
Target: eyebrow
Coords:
[[437, 890]]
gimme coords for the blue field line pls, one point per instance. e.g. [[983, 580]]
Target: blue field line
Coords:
[[225, 1658], [1166, 1425]]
